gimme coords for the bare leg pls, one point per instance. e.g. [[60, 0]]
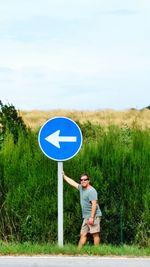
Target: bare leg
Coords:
[[82, 241], [96, 239]]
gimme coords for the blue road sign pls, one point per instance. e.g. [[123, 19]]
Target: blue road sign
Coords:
[[60, 138]]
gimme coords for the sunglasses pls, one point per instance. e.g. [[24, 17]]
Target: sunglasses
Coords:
[[82, 180]]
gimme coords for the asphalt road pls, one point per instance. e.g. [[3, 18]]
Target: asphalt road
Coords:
[[65, 261]]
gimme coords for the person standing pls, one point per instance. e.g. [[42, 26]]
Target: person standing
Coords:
[[91, 212]]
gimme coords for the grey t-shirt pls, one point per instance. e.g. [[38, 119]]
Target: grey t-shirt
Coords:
[[86, 196]]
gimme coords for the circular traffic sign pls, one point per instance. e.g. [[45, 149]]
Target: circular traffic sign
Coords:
[[60, 138]]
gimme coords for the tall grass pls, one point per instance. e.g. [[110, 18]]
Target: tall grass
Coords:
[[117, 161]]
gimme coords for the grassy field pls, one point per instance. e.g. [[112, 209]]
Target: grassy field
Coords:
[[131, 118], [49, 249], [116, 157]]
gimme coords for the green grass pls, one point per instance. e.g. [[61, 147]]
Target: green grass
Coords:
[[68, 249]]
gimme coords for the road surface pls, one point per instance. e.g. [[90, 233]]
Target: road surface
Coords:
[[65, 261]]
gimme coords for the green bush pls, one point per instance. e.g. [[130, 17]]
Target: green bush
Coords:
[[117, 161], [10, 121]]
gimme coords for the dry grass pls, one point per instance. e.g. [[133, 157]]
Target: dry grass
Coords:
[[131, 118]]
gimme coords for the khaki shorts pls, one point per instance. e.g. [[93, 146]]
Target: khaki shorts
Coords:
[[90, 228]]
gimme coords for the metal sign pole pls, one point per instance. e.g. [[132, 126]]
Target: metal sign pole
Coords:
[[60, 203], [60, 139]]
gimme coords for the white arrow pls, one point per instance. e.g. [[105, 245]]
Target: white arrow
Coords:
[[54, 138]]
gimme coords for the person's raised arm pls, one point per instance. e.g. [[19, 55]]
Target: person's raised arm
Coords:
[[70, 181]]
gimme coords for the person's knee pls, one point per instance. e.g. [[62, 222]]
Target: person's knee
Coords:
[[96, 234], [83, 234], [96, 238]]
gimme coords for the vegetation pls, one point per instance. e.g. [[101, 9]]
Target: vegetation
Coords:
[[28, 248], [131, 118], [10, 121], [117, 160]]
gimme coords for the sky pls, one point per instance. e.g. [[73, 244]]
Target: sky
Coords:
[[75, 54]]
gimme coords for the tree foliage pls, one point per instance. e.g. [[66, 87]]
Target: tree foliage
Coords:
[[10, 121]]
